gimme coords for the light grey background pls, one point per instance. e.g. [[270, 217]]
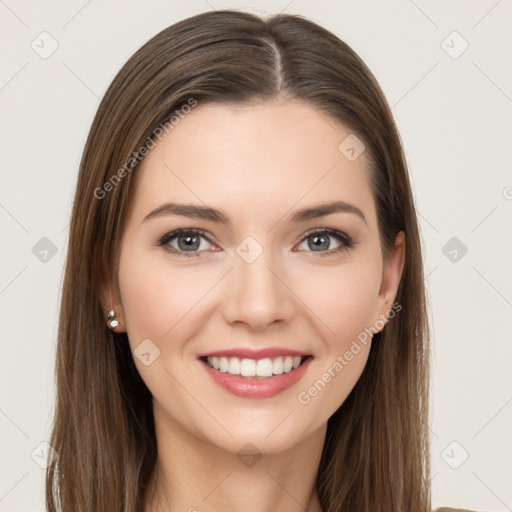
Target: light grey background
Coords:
[[454, 115]]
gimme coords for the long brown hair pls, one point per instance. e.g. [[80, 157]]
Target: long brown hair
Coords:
[[376, 452]]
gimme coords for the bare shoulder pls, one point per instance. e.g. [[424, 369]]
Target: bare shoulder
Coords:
[[446, 509]]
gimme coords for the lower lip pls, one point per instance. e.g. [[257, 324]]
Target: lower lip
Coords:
[[247, 387]]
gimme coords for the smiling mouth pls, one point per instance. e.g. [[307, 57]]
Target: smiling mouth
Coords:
[[255, 369]]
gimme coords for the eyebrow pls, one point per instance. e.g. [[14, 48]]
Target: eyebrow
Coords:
[[206, 213]]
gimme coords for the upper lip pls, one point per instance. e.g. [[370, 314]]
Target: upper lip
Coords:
[[251, 353]]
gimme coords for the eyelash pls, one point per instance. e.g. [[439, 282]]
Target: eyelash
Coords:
[[346, 241]]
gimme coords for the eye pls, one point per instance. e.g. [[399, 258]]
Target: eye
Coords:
[[319, 240], [187, 242]]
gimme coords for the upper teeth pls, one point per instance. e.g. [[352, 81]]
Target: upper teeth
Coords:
[[252, 368]]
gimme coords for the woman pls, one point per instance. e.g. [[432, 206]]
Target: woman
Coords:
[[243, 321]]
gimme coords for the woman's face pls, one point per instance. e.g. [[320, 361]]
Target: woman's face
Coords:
[[249, 273]]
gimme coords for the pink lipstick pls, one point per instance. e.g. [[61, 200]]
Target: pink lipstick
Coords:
[[250, 373]]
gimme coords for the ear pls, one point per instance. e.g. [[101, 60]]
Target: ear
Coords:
[[110, 299], [391, 277]]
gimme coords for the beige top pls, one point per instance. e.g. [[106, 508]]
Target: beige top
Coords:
[[446, 509]]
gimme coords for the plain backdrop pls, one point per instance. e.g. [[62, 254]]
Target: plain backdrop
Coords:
[[445, 70]]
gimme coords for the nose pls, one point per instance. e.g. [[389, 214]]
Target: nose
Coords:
[[257, 294]]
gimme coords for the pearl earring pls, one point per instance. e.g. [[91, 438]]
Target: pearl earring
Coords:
[[112, 323]]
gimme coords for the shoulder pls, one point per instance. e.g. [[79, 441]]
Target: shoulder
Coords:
[[446, 509]]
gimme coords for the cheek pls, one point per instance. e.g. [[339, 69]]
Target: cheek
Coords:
[[149, 310], [158, 305], [344, 298], [345, 301], [154, 297]]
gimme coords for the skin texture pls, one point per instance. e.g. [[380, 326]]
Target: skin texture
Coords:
[[257, 163]]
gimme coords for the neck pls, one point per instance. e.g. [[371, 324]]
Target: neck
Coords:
[[193, 475]]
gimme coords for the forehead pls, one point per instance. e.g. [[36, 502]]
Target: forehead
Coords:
[[253, 159]]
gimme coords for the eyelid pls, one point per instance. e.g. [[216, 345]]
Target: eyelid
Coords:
[[329, 231], [347, 242], [171, 235]]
